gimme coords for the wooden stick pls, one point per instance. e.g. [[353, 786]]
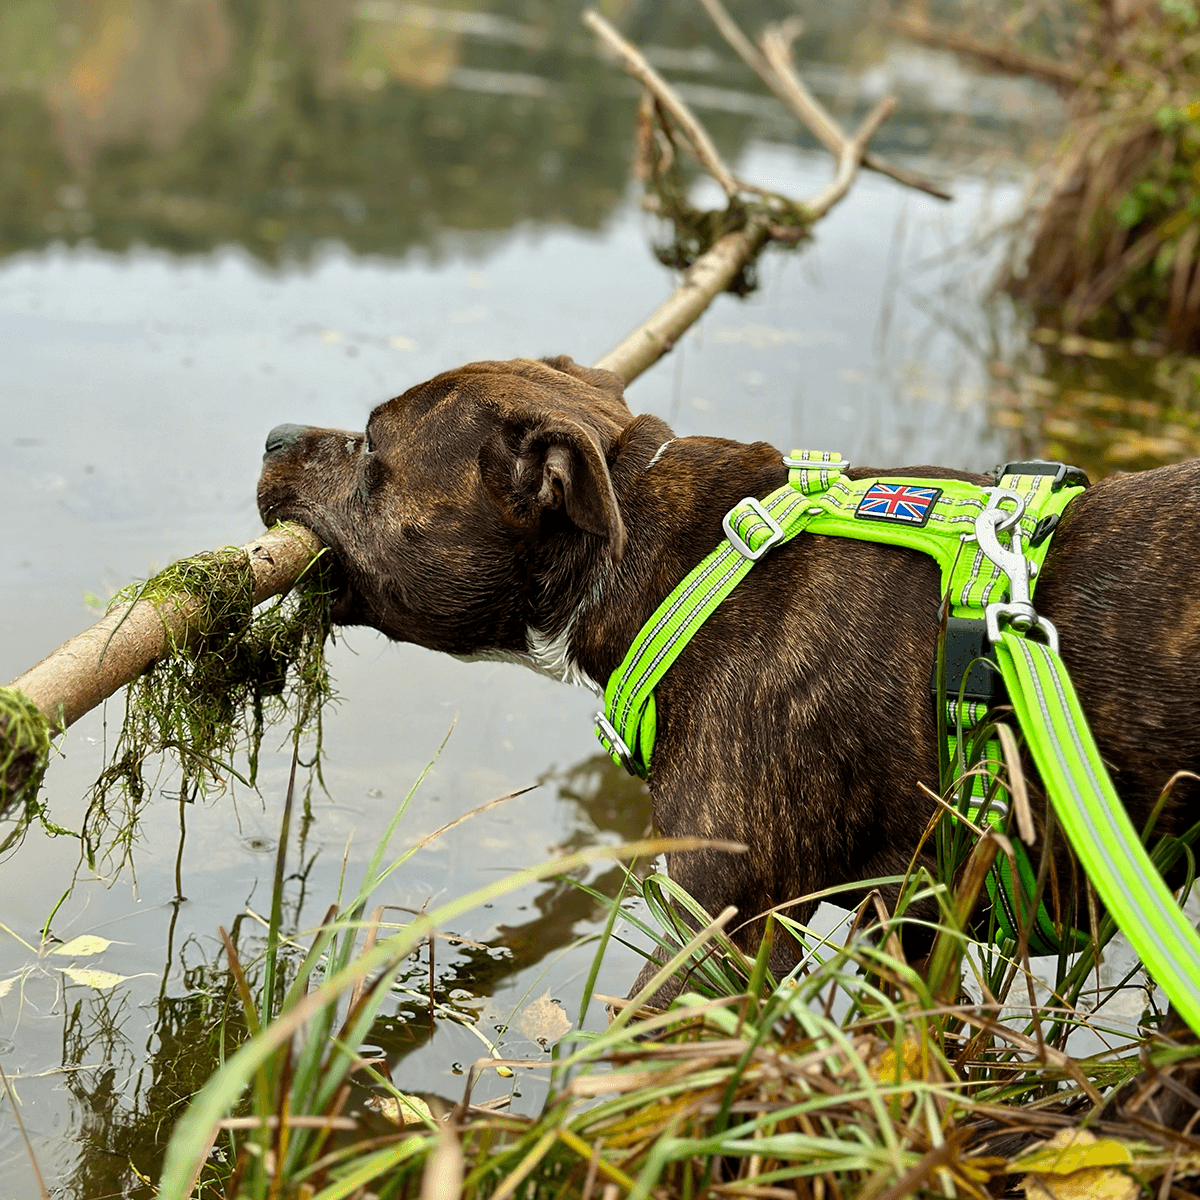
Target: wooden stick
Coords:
[[77, 676], [790, 88], [706, 153]]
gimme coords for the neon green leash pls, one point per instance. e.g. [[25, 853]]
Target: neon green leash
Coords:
[[989, 544]]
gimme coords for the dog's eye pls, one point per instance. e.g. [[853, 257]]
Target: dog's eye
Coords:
[[367, 447]]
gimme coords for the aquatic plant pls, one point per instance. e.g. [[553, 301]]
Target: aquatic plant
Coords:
[[213, 693]]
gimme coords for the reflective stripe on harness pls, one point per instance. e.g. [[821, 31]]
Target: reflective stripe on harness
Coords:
[[989, 544]]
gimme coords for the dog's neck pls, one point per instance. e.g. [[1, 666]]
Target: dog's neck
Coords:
[[673, 493]]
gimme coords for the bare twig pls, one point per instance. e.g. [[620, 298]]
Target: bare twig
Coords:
[[776, 43], [746, 50], [790, 88], [637, 66], [848, 163], [1064, 76]]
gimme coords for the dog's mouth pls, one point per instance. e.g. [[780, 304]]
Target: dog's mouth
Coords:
[[333, 575]]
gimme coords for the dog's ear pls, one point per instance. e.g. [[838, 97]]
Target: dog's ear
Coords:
[[567, 468], [548, 466]]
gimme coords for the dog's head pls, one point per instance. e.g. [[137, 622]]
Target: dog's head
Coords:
[[438, 512]]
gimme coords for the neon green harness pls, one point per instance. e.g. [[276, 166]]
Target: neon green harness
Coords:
[[989, 544]]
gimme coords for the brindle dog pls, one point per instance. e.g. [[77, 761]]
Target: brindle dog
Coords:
[[518, 510]]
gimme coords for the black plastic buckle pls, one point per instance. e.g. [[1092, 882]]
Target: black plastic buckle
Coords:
[[1064, 475], [967, 644]]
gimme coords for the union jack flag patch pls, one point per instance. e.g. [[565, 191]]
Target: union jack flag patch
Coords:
[[901, 503]]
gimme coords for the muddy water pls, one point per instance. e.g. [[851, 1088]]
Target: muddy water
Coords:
[[316, 218]]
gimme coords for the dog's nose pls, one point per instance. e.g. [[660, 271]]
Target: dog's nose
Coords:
[[281, 437]]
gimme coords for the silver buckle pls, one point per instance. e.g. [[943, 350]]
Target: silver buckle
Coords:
[[735, 540], [615, 743], [1019, 610]]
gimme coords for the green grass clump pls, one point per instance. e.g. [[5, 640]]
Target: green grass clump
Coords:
[[1115, 249]]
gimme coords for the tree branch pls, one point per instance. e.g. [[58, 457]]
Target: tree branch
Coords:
[[706, 153], [851, 157], [773, 65], [790, 88]]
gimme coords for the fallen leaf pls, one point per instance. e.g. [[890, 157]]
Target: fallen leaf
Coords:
[[83, 946], [884, 1068], [91, 977], [401, 1110], [1075, 1165], [543, 1020], [1072, 1150]]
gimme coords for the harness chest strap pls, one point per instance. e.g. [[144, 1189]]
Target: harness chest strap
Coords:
[[943, 518]]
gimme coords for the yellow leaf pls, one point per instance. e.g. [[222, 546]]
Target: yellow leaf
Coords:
[[401, 1110], [1072, 1150], [90, 977], [83, 946], [1075, 1165]]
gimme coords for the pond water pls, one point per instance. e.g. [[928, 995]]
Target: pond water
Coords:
[[221, 217]]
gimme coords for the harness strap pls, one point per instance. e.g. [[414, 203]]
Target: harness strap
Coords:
[[627, 725]]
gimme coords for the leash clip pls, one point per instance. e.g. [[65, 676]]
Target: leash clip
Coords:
[[1019, 611]]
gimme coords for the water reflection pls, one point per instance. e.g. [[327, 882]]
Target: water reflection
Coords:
[[1105, 406], [189, 124], [129, 1088]]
